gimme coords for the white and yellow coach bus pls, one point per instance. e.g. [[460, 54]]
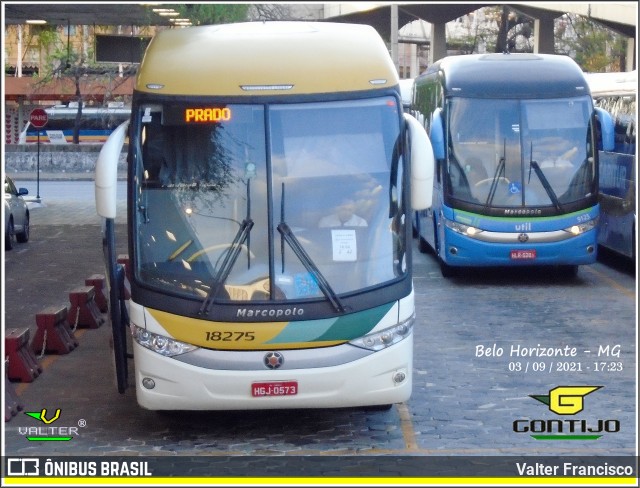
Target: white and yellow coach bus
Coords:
[[270, 176]]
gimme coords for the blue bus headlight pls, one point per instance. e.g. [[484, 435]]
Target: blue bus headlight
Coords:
[[385, 338], [158, 343], [467, 230], [582, 227]]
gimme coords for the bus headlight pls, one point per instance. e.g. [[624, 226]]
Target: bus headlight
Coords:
[[463, 229], [385, 338], [158, 343], [582, 227]]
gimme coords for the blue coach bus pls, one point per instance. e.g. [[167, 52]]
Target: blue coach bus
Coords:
[[516, 139], [617, 93]]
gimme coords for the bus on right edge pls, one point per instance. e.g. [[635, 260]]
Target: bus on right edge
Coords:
[[516, 140], [617, 94]]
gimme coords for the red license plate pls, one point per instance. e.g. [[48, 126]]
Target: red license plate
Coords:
[[523, 254], [274, 388]]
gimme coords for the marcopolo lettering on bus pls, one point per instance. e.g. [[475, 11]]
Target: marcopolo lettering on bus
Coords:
[[270, 312]]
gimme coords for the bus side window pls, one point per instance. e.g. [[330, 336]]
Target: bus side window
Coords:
[[153, 153], [629, 146]]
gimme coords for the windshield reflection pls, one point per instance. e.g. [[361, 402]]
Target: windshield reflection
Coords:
[[219, 218], [514, 153]]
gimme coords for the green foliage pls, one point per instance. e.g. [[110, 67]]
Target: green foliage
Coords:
[[65, 61], [47, 37], [212, 13], [594, 47]]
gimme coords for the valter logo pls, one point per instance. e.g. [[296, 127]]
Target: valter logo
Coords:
[[49, 432], [566, 400]]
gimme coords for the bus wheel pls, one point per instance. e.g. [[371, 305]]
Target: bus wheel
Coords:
[[446, 270], [378, 408], [423, 246], [569, 271]]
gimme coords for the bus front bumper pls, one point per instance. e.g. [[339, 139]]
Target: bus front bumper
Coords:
[[461, 250], [167, 384]]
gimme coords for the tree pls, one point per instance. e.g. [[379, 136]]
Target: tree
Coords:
[[594, 47], [494, 29], [212, 13], [67, 62], [514, 31], [270, 11]]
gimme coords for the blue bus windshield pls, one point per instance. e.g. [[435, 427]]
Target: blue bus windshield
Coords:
[[520, 153]]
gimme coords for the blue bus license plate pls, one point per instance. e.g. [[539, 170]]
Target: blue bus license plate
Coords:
[[523, 254], [274, 388]]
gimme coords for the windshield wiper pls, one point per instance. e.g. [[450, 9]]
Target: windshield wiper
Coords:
[[305, 259], [243, 235], [543, 179], [496, 176]]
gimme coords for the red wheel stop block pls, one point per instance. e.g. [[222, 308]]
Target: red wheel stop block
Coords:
[[12, 403], [83, 310], [98, 281], [23, 364], [54, 334]]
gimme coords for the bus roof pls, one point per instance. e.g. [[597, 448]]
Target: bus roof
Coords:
[[312, 57], [517, 75], [603, 84]]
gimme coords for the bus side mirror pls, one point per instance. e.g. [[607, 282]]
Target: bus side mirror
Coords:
[[422, 163], [107, 172], [436, 134], [606, 134]]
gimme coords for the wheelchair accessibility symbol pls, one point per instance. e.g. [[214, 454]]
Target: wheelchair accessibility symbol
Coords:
[[515, 187]]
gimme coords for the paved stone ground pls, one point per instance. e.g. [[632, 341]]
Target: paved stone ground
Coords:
[[462, 405]]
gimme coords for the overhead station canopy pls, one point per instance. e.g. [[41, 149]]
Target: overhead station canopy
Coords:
[[618, 16], [83, 13], [613, 15]]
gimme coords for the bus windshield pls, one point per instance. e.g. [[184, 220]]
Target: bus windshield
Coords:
[[520, 153], [252, 202]]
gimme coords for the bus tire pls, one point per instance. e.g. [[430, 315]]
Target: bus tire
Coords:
[[423, 246], [379, 408], [446, 270]]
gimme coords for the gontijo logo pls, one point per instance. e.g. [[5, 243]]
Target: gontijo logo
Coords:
[[566, 400]]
